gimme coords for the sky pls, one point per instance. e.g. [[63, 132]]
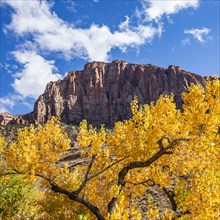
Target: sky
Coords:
[[41, 41]]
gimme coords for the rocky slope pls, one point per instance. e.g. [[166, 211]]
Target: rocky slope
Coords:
[[102, 92]]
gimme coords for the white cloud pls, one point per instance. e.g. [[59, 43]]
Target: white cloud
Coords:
[[7, 101], [30, 17], [12, 100], [124, 26], [42, 30], [154, 10], [3, 109], [185, 42], [52, 34], [36, 73], [199, 34], [6, 104], [55, 35], [71, 5], [27, 104]]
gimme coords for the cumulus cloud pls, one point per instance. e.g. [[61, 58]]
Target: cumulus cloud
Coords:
[[155, 10], [36, 73], [55, 35], [199, 34]]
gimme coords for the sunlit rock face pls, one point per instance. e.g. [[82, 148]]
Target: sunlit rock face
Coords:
[[102, 92]]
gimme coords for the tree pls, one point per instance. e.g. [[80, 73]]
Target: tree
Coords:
[[17, 199], [159, 145]]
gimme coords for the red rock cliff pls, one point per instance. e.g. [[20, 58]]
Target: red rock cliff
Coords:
[[102, 92]]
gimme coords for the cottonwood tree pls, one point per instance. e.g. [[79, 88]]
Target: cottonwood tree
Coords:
[[158, 145]]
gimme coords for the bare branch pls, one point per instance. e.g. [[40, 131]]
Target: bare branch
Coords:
[[111, 204], [168, 152], [17, 171], [5, 174], [176, 141], [171, 196], [75, 197], [10, 173], [106, 168], [160, 142], [75, 164], [85, 177], [139, 164], [43, 177]]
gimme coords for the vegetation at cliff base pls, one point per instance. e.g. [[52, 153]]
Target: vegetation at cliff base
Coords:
[[176, 150]]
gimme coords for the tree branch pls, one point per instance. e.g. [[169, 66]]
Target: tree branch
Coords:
[[160, 142], [43, 177], [171, 198], [74, 165], [5, 174], [176, 141], [85, 177], [106, 168], [75, 197], [139, 164]]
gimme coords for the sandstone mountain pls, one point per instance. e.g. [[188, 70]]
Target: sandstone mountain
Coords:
[[102, 92]]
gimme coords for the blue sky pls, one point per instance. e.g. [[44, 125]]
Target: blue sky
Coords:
[[42, 40]]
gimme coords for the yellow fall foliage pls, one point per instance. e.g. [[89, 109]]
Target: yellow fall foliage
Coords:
[[158, 145]]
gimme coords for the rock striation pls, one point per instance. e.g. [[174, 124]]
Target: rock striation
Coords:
[[102, 92]]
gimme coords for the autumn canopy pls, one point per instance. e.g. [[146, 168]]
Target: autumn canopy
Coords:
[[159, 146]]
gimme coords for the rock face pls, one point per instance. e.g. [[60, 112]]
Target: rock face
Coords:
[[5, 118], [102, 92]]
